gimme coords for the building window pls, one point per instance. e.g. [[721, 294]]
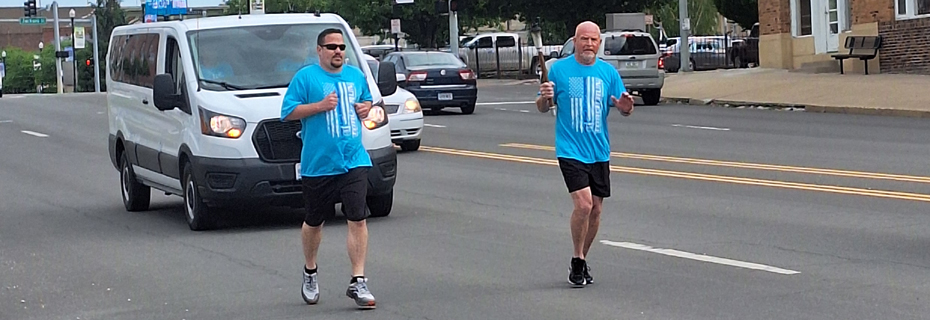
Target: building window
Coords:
[[912, 8], [803, 15]]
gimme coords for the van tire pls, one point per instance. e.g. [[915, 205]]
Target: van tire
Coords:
[[198, 214], [410, 145], [136, 196], [651, 97], [381, 205]]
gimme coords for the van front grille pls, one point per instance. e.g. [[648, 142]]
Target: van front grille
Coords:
[[277, 141]]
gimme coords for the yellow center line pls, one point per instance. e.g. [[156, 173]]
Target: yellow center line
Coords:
[[694, 176], [747, 165]]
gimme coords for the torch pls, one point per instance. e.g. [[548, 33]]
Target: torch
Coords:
[[536, 33]]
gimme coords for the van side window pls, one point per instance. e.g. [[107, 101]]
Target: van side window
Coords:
[[134, 59], [175, 68]]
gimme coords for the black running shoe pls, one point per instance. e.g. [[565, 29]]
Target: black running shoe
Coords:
[[576, 273], [587, 275]]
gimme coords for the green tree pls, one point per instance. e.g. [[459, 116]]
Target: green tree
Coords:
[[703, 16], [744, 12], [109, 16], [20, 76]]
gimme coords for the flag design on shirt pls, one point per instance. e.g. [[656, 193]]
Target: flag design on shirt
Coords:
[[587, 95], [340, 120]]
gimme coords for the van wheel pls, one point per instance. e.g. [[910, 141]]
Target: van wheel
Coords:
[[197, 213], [381, 205], [651, 97], [468, 108], [410, 145], [136, 196]]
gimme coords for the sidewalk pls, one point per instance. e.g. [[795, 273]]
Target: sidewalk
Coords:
[[878, 94]]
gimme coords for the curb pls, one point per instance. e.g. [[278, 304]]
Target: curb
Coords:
[[799, 107]]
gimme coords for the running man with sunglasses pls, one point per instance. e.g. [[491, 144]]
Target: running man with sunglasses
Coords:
[[330, 99]]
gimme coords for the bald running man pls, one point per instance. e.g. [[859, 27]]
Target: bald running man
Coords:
[[584, 88]]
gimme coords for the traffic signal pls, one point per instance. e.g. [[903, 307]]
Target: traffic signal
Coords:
[[29, 8], [453, 5], [89, 62]]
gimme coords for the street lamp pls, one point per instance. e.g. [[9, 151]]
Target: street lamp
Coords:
[[36, 64], [74, 69]]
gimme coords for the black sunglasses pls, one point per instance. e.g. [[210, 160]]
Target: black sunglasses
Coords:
[[333, 46]]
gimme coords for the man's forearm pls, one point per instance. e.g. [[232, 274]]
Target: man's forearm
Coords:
[[542, 104], [303, 111]]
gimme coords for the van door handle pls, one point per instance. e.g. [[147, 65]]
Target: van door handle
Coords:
[[145, 101]]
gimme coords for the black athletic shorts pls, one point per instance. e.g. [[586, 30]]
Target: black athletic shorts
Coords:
[[579, 175], [322, 193]]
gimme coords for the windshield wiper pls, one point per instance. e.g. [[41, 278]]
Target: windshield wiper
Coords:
[[273, 86], [223, 84]]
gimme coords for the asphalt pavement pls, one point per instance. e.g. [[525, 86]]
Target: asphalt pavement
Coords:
[[716, 213]]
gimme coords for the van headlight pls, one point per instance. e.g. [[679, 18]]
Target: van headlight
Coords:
[[377, 118], [412, 106], [221, 125]]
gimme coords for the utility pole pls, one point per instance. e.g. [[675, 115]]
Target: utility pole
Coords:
[[96, 66], [57, 48], [684, 47]]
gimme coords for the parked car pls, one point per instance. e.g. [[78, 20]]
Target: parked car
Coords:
[[636, 57], [482, 51], [220, 141], [404, 111], [379, 50], [706, 53], [438, 79]]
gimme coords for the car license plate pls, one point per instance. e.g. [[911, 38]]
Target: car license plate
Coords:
[[297, 170], [445, 96], [631, 64]]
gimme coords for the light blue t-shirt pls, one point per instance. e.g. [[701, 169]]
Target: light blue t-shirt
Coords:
[[332, 140], [582, 94]]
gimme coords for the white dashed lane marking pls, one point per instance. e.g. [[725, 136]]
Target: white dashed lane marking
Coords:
[[33, 133]]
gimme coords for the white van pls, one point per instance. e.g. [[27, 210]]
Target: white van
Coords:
[[194, 110], [405, 112]]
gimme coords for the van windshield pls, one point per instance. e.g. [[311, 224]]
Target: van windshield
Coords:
[[254, 57]]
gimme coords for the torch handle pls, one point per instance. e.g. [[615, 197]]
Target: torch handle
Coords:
[[543, 73]]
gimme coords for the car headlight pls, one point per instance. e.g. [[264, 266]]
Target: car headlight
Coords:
[[220, 125], [377, 118], [412, 106]]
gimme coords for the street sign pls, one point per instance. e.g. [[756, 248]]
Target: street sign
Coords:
[[648, 19], [79, 39], [395, 25], [29, 20]]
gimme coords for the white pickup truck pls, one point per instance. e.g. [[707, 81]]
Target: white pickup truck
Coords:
[[481, 53]]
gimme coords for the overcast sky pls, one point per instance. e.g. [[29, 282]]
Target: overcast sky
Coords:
[[82, 3]]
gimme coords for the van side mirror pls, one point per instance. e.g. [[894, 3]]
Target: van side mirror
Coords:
[[165, 93], [387, 79]]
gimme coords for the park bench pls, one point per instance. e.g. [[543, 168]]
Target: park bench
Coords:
[[864, 48]]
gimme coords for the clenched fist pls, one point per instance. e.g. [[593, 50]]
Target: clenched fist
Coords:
[[547, 90], [329, 103], [362, 109]]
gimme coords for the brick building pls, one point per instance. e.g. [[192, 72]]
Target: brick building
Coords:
[[802, 34], [28, 36]]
